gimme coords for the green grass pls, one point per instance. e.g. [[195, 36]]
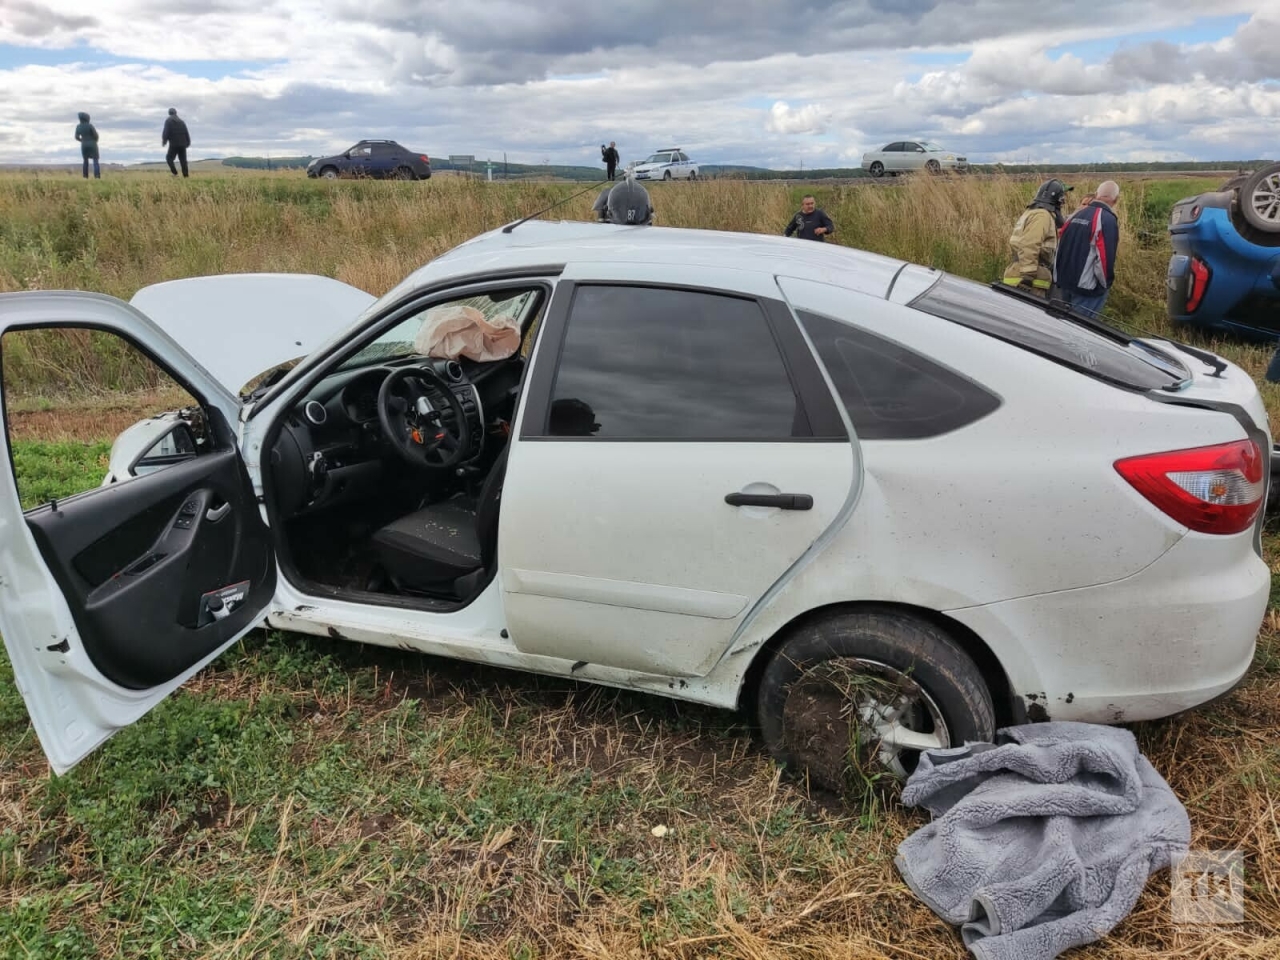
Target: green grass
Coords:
[[303, 776], [48, 471]]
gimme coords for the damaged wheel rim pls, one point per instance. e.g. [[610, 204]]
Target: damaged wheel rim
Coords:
[[853, 723]]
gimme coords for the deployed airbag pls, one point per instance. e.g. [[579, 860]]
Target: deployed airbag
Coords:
[[454, 330]]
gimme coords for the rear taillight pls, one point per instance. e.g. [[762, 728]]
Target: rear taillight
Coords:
[[1197, 284], [1215, 489], [424, 158]]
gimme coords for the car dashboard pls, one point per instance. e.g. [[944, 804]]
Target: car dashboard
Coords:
[[332, 449]]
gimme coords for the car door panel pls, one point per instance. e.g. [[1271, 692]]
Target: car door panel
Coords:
[[108, 603], [630, 553], [138, 561], [647, 567]]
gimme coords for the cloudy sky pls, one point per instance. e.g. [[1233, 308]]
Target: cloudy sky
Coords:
[[740, 81]]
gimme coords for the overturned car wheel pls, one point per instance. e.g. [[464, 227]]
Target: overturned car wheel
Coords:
[[851, 699], [1260, 199]]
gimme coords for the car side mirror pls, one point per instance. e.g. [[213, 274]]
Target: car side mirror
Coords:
[[176, 446], [919, 149]]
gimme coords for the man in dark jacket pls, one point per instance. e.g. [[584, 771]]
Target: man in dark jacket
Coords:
[[610, 157], [87, 135], [810, 223], [176, 136], [1085, 267]]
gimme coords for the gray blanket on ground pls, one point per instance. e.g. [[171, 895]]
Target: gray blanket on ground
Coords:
[[1042, 841]]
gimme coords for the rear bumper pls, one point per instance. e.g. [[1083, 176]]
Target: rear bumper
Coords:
[[1171, 637]]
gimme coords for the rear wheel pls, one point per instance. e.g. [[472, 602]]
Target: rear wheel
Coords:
[[1260, 199], [404, 173], [877, 169], [850, 699]]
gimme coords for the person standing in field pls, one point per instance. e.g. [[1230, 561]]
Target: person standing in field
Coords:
[[175, 134], [1034, 241], [610, 157], [1085, 267], [810, 223], [87, 135]]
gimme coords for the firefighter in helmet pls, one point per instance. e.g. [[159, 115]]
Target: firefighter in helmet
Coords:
[[1034, 241]]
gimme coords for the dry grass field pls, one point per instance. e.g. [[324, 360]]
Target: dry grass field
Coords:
[[315, 799]]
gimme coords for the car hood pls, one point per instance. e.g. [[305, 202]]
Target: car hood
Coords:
[[239, 326]]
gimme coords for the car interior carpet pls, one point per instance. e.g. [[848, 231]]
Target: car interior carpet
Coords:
[[1042, 840]]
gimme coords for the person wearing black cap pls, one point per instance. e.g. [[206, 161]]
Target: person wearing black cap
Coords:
[[176, 136]]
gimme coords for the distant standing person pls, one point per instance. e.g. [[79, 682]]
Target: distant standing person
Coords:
[[87, 134], [610, 157], [175, 134], [810, 223], [1085, 268]]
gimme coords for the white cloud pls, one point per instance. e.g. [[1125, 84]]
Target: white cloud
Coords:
[[811, 118], [554, 81]]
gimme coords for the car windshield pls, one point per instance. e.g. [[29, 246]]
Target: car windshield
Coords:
[[1087, 345], [399, 340], [658, 158], [931, 147]]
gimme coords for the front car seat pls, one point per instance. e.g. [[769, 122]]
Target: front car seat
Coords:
[[433, 549]]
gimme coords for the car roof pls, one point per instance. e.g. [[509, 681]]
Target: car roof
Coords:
[[556, 244]]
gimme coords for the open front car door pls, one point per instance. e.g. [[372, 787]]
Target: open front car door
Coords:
[[112, 598]]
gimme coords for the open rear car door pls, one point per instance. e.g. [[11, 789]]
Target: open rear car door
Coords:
[[112, 598]]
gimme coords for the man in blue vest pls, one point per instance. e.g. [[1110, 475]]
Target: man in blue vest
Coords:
[[1085, 267]]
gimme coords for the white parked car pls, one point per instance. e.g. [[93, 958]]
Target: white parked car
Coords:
[[672, 164], [866, 502], [906, 155]]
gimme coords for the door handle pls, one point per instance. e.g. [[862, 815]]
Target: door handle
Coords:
[[216, 514], [785, 501]]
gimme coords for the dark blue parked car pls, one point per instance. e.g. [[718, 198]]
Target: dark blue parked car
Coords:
[[378, 159], [1224, 275]]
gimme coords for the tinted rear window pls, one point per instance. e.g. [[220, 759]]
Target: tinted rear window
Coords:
[[890, 392], [1105, 356]]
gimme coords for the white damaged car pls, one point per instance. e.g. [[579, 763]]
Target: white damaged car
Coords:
[[879, 508]]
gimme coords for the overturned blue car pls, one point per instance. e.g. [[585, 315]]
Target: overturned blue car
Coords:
[[1224, 275]]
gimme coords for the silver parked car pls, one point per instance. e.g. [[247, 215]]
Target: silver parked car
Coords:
[[907, 155]]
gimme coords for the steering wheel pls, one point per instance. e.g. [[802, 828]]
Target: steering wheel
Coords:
[[409, 411]]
